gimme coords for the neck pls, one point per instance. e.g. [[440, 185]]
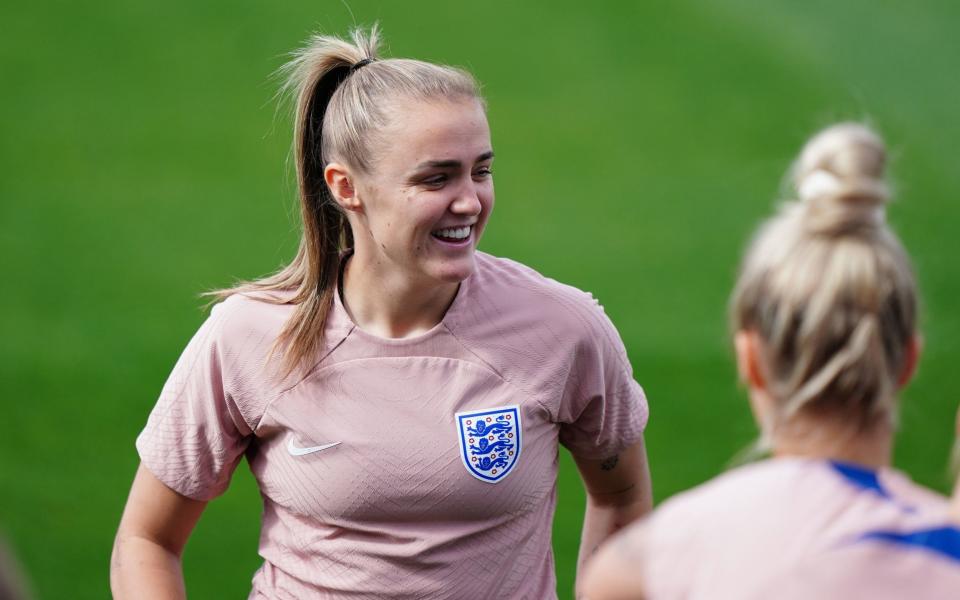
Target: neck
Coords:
[[815, 438], [384, 302]]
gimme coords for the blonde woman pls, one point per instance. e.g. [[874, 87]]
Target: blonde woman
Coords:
[[398, 395], [824, 312]]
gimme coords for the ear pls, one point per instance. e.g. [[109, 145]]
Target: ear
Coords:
[[911, 356], [341, 184], [747, 346]]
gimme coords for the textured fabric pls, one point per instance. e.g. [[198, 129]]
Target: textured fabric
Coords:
[[391, 510], [787, 527]]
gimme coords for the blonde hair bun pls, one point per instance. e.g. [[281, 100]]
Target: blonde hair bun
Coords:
[[840, 180], [828, 288]]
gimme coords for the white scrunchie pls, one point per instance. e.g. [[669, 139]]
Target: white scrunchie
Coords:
[[817, 184]]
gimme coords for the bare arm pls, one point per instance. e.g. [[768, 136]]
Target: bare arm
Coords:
[[153, 531], [618, 493]]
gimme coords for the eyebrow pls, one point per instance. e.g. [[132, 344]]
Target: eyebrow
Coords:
[[451, 164]]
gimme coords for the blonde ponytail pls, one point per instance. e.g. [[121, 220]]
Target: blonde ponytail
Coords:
[[342, 91]]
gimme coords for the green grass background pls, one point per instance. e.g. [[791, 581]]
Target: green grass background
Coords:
[[638, 144]]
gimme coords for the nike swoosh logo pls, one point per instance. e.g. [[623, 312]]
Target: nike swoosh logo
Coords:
[[296, 451]]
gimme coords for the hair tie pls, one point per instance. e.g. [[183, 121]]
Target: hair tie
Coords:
[[818, 183], [322, 93], [361, 64]]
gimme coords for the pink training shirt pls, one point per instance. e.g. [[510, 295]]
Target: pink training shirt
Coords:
[[918, 562], [403, 468], [792, 528]]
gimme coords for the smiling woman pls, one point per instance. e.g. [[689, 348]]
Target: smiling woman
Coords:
[[398, 395], [417, 217]]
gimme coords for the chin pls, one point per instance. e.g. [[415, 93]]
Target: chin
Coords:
[[455, 272]]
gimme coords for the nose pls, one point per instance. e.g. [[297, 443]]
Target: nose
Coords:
[[467, 201]]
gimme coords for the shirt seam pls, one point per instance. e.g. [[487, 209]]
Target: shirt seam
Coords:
[[313, 369], [534, 397]]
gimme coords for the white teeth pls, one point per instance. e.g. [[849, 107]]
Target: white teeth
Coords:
[[454, 233]]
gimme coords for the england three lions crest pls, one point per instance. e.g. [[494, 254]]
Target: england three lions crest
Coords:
[[490, 441]]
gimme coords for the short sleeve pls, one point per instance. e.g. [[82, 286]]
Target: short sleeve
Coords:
[[603, 410], [196, 433]]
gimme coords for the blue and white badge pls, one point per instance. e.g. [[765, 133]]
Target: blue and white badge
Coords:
[[490, 441]]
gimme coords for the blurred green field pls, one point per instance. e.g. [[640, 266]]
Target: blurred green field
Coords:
[[637, 145]]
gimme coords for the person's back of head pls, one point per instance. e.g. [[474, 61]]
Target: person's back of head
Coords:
[[829, 290]]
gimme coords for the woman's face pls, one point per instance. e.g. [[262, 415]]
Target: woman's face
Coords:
[[429, 193]]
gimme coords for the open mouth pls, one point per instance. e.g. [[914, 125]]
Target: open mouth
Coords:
[[453, 235]]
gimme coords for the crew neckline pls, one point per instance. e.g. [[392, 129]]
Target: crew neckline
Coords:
[[341, 310]]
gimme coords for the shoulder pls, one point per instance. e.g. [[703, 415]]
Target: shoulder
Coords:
[[735, 499], [721, 492], [794, 490], [520, 294], [243, 330], [904, 489], [696, 528], [545, 336], [720, 522], [495, 274], [905, 561], [250, 318], [246, 327]]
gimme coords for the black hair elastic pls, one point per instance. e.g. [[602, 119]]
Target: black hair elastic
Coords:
[[322, 93], [361, 64]]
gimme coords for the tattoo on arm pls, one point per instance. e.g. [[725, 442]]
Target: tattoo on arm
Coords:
[[609, 463]]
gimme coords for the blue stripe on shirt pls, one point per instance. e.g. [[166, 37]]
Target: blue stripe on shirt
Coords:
[[944, 541], [860, 477]]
